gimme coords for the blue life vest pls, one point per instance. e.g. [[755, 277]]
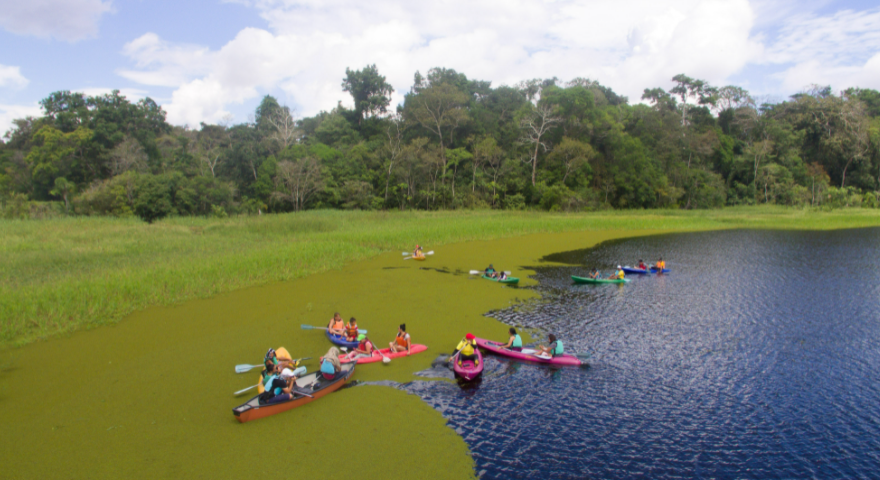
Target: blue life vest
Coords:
[[327, 367]]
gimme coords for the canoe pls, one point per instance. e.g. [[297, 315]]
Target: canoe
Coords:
[[340, 340], [639, 271], [508, 280], [525, 354], [419, 258], [467, 370], [313, 384], [597, 280], [415, 348]]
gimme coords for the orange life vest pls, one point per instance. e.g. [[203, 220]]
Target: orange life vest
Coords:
[[401, 340], [338, 325], [351, 331]]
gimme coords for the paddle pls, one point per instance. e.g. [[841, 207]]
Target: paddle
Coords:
[[246, 368], [385, 359], [312, 327], [410, 253], [477, 272], [246, 389]]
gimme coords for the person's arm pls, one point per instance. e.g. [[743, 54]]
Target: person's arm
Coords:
[[408, 344]]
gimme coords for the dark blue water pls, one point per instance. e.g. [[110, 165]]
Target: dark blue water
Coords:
[[758, 357]]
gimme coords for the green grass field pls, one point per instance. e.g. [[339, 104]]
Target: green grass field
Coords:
[[73, 273]]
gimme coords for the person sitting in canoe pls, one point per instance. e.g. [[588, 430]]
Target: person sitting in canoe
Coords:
[[555, 348], [351, 330], [363, 349], [660, 264], [417, 253], [515, 341], [402, 341], [490, 271], [336, 325], [641, 265], [502, 276], [279, 385], [618, 275], [594, 274], [330, 365], [272, 356], [466, 350]]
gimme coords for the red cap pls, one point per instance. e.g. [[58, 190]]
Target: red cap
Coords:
[[470, 336]]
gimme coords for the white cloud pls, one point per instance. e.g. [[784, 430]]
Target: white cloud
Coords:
[[628, 45], [841, 50], [69, 20], [12, 77], [8, 113]]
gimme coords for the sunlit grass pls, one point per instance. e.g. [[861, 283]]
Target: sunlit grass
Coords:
[[67, 274]]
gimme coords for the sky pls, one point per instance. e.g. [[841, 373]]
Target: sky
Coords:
[[213, 60]]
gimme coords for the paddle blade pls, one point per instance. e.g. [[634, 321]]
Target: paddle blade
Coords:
[[386, 360], [430, 253], [405, 253], [306, 327], [475, 272], [245, 368], [362, 331], [246, 389], [406, 258]]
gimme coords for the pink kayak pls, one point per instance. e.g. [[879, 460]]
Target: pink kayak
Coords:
[[468, 370], [416, 348], [526, 354]]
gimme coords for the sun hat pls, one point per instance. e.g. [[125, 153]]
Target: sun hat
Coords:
[[470, 336], [361, 337]]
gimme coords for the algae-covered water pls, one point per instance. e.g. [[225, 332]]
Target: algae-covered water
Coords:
[[151, 397]]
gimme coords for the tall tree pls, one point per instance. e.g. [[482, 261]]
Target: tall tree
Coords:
[[534, 125], [369, 90]]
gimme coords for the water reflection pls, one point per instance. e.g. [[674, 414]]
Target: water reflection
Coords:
[[756, 357]]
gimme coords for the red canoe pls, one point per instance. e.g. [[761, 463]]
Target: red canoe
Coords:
[[526, 354], [417, 348], [468, 370]]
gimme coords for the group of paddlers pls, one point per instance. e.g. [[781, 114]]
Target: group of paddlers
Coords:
[[466, 348], [365, 347]]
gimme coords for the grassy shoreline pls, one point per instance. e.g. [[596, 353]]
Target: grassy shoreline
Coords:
[[77, 273]]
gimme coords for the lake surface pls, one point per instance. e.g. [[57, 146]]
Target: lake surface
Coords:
[[757, 357]]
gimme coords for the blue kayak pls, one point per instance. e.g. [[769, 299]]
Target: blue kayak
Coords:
[[639, 271], [340, 340]]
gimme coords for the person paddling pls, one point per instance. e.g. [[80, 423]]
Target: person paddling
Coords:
[[351, 330], [466, 350], [336, 325], [514, 342], [618, 275], [642, 265], [490, 271], [279, 385], [401, 342], [554, 349], [594, 274], [417, 253]]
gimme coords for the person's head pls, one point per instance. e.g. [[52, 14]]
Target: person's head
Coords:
[[490, 266], [552, 338], [512, 331], [270, 355], [353, 321], [402, 327], [362, 337], [660, 259], [337, 316], [640, 260], [619, 267], [270, 366], [470, 336]]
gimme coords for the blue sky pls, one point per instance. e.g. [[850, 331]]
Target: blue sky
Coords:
[[212, 61]]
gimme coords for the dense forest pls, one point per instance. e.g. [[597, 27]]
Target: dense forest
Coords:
[[453, 143]]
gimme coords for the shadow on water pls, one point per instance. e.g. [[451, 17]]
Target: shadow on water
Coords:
[[756, 357]]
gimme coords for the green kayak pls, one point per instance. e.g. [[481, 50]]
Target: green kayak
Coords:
[[508, 280], [597, 280]]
